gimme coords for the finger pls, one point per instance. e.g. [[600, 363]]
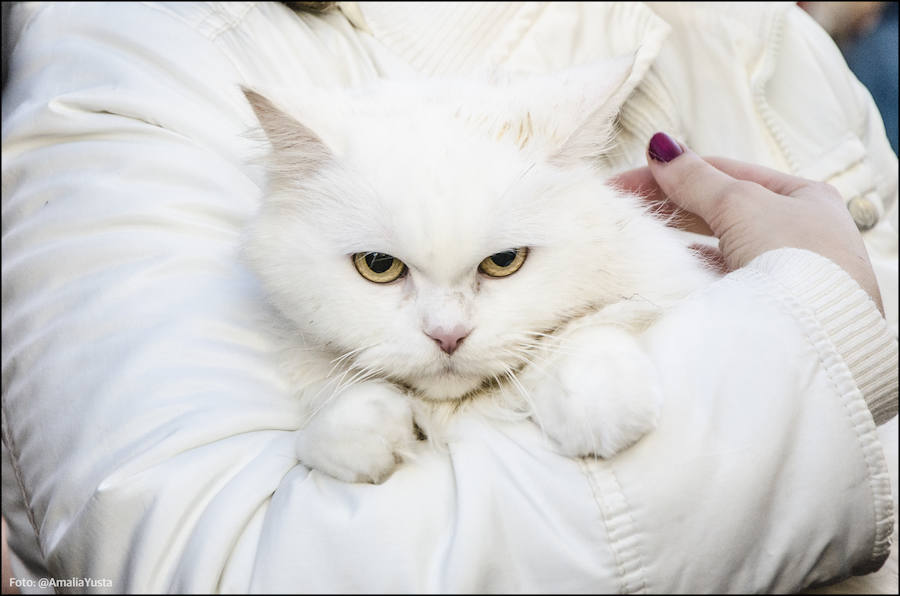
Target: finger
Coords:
[[640, 182], [687, 180], [784, 184]]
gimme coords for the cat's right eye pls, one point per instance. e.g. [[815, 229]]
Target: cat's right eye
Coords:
[[503, 263], [378, 267]]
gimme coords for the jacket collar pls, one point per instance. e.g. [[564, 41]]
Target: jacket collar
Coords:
[[446, 39]]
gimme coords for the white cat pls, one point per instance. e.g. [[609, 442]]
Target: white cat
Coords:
[[453, 242]]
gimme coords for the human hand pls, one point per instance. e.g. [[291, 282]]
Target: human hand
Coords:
[[751, 209]]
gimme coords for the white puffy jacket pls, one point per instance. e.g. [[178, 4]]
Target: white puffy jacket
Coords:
[[148, 440]]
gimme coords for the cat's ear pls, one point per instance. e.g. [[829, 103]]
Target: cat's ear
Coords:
[[296, 148], [603, 90]]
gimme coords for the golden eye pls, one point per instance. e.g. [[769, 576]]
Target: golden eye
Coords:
[[503, 263], [378, 266]]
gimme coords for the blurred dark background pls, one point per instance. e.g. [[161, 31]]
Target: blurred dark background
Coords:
[[866, 32]]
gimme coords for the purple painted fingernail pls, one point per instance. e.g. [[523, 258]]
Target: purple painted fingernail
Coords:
[[664, 148]]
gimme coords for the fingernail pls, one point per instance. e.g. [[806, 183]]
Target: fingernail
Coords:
[[664, 148]]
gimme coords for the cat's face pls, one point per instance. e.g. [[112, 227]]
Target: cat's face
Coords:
[[432, 247]]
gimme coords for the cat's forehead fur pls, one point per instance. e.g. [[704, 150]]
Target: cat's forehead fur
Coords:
[[436, 185], [441, 172]]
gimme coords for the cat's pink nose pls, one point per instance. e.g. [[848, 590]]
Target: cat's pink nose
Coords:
[[448, 340]]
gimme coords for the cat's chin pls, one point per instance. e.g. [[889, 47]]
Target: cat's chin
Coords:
[[445, 387]]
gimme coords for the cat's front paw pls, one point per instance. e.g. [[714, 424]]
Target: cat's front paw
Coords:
[[601, 396], [360, 435]]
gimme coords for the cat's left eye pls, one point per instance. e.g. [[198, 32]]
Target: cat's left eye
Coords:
[[503, 263], [378, 267]]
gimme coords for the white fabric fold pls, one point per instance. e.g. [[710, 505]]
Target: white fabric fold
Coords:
[[149, 434]]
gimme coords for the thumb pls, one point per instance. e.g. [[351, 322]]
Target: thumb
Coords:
[[687, 179]]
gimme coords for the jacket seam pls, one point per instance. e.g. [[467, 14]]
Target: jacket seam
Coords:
[[228, 22], [619, 551], [20, 481], [233, 22], [759, 80]]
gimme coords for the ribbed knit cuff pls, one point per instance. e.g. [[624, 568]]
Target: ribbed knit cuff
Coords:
[[848, 316]]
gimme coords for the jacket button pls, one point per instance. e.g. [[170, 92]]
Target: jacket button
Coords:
[[864, 213]]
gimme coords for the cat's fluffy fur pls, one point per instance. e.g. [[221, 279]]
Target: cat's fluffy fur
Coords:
[[442, 174]]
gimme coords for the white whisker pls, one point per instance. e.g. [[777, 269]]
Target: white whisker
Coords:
[[523, 357], [338, 385], [337, 361], [525, 396], [360, 376]]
